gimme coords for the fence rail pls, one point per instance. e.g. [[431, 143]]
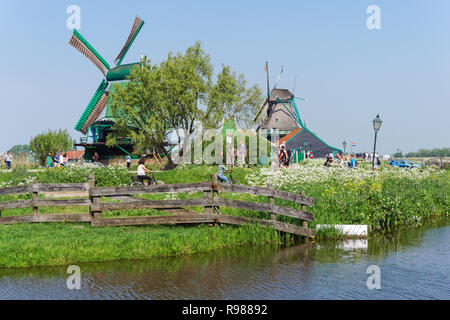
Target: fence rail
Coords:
[[211, 202]]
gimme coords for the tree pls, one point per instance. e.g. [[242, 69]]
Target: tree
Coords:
[[20, 149], [177, 94], [230, 98], [50, 142]]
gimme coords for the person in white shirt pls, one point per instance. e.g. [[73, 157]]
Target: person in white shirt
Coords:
[[242, 153], [141, 170], [8, 160], [128, 159]]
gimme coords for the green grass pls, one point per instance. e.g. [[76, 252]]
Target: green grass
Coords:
[[382, 201], [27, 245]]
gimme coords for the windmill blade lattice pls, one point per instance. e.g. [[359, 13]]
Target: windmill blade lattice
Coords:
[[94, 108], [81, 44], [137, 25]]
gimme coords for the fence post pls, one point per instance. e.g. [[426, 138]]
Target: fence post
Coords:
[[92, 199], [35, 192], [214, 192], [273, 216], [207, 194], [305, 223]]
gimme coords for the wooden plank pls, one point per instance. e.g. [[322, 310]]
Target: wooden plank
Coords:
[[280, 226], [63, 202], [150, 204], [178, 211], [63, 217], [15, 190], [5, 205], [16, 219], [171, 220], [161, 188], [63, 187], [261, 191], [265, 208]]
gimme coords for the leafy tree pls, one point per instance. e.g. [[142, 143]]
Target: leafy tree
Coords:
[[22, 149], [436, 152], [179, 93], [398, 154], [50, 142], [230, 98]]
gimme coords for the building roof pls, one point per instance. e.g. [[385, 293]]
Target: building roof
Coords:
[[74, 155], [288, 137], [283, 94]]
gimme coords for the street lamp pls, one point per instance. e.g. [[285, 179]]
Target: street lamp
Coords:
[[376, 126], [344, 144]]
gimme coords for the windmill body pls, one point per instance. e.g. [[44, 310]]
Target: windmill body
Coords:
[[90, 124], [279, 113]]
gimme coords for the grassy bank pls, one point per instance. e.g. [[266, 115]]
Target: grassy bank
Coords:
[[28, 245], [383, 200]]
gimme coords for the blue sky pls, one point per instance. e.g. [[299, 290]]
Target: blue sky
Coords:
[[347, 72]]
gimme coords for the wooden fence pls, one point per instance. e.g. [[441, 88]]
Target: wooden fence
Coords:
[[211, 202]]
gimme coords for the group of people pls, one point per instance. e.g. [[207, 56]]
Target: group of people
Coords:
[[58, 160], [346, 161], [232, 153]]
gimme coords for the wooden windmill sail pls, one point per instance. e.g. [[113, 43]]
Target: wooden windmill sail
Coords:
[[100, 99], [279, 111]]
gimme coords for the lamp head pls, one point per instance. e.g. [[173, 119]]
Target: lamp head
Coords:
[[377, 123]]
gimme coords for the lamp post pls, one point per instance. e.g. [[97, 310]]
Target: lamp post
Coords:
[[344, 144], [376, 126]]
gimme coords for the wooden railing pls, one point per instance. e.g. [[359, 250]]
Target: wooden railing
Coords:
[[211, 202], [35, 203]]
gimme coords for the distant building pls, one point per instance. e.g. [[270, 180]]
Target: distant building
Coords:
[[74, 156], [280, 113], [302, 139]]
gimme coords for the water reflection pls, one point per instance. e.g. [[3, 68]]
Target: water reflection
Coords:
[[414, 264]]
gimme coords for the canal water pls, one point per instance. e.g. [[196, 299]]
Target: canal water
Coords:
[[414, 263]]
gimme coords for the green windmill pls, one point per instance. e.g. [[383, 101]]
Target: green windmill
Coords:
[[100, 99]]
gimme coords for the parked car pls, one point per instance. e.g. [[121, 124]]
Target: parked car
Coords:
[[404, 164]]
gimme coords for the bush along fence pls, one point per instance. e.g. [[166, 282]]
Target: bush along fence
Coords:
[[181, 209]]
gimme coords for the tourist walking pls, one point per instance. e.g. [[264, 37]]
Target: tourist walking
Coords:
[[95, 157], [128, 160], [56, 160], [8, 160], [283, 156], [48, 161], [61, 160], [242, 153], [230, 150]]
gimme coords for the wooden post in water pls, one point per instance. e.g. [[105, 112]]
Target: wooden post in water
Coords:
[[93, 200], [273, 216], [305, 223], [35, 192]]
